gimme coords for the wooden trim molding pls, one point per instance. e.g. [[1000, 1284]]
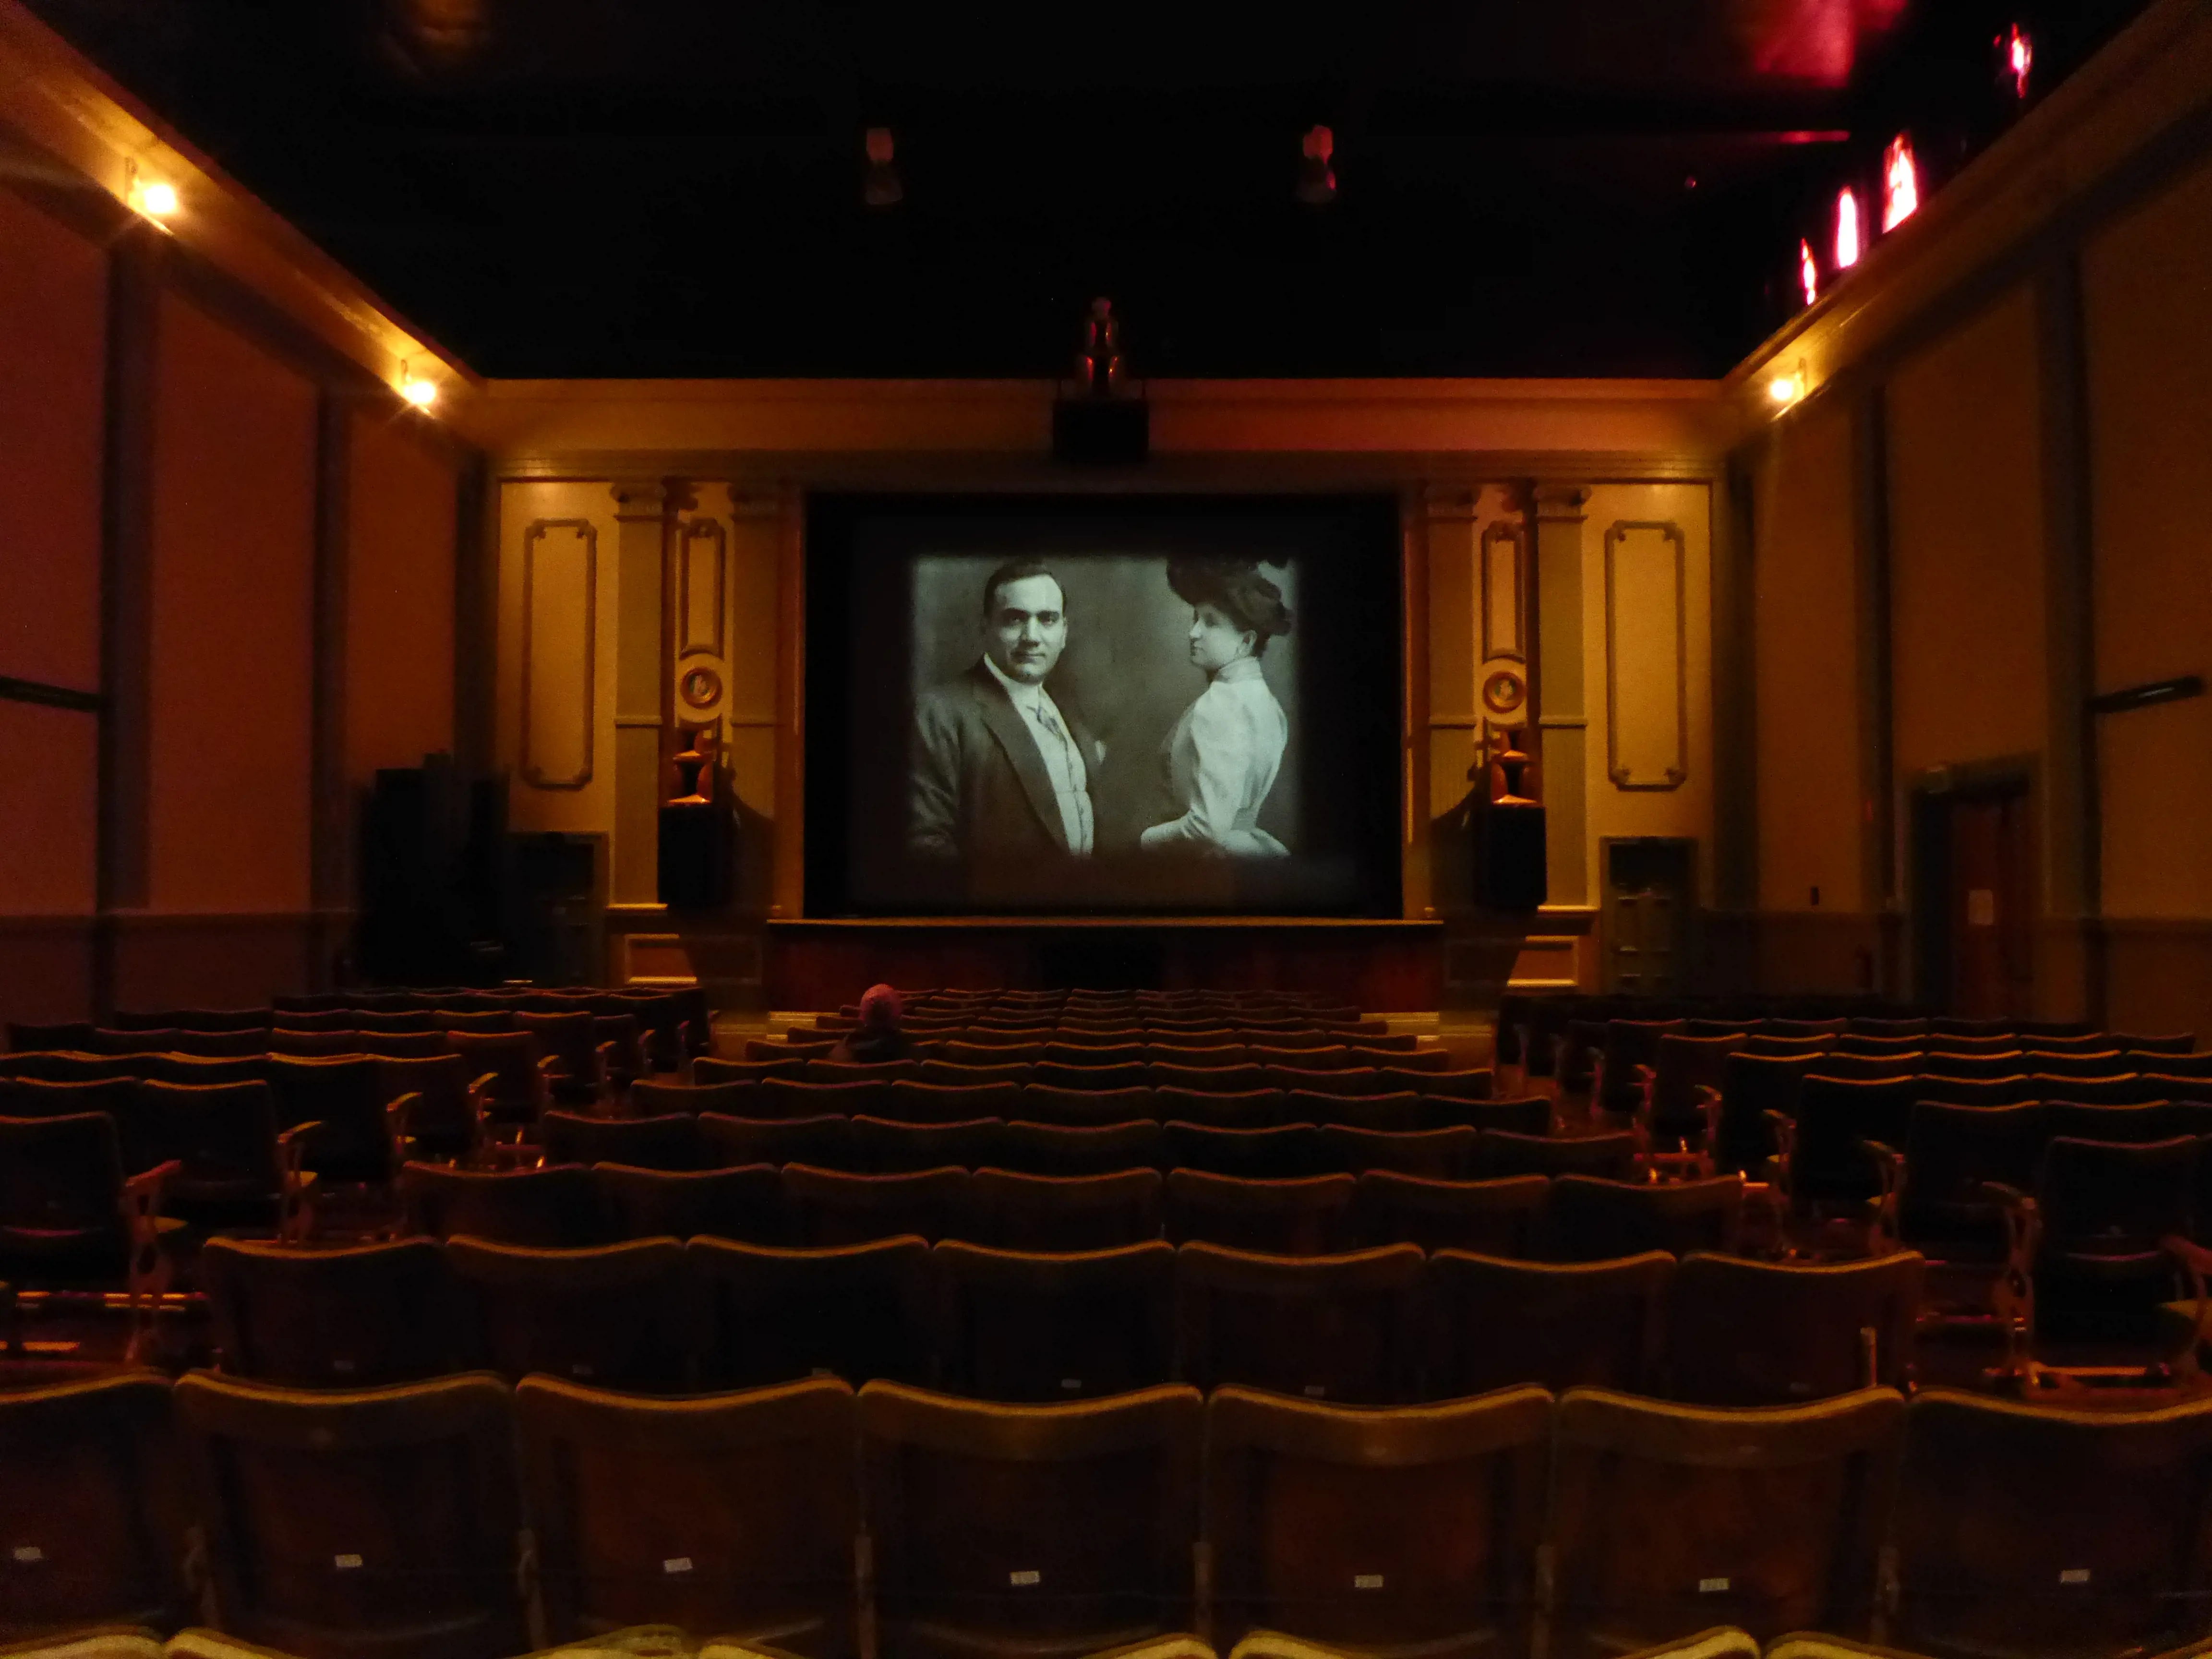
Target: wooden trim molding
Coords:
[[1623, 769], [532, 773], [51, 696]]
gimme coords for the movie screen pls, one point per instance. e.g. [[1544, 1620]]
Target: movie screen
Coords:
[[1103, 705]]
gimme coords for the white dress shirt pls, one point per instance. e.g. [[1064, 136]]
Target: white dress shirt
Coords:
[[1062, 754]]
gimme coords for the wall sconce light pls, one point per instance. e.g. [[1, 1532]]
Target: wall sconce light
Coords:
[[1848, 240], [152, 198], [418, 390], [881, 189], [2015, 57], [1900, 183], [1787, 387], [1316, 178], [1809, 271]]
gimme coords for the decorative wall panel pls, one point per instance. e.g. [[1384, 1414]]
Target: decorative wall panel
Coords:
[[560, 598], [702, 565], [1647, 656], [1504, 608]]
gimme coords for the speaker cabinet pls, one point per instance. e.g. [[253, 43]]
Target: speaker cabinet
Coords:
[[1102, 431], [695, 855], [1509, 870]]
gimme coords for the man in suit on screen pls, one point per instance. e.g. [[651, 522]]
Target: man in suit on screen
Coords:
[[1002, 770]]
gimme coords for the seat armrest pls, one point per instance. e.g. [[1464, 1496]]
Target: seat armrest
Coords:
[[2195, 1263], [1883, 1224]]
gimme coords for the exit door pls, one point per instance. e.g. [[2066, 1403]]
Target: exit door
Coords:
[[1644, 916], [1974, 909]]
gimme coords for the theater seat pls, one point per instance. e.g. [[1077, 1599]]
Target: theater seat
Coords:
[[1337, 1328], [614, 1315], [745, 1201], [1495, 1218], [2037, 1531], [1018, 1325], [1304, 1215], [1667, 1519], [1404, 1530], [360, 1316], [1489, 1322], [765, 1315], [732, 1513], [1031, 1529], [1017, 1212], [93, 1509], [1744, 1332], [382, 1523]]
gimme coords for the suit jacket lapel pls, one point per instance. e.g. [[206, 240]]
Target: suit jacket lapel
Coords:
[[1012, 732]]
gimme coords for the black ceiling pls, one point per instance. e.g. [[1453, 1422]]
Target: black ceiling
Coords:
[[672, 187]]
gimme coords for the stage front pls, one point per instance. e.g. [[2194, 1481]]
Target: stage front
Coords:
[[1384, 965]]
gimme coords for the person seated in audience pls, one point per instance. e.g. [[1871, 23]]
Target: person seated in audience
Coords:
[[878, 1037]]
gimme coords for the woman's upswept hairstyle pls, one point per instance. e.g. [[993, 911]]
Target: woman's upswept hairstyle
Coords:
[[1235, 586]]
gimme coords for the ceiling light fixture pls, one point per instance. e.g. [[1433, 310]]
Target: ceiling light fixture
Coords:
[[416, 389], [1848, 238], [1785, 388], [1900, 183], [1317, 177], [882, 188]]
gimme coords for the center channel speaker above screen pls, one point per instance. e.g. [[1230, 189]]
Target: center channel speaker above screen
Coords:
[[1106, 704]]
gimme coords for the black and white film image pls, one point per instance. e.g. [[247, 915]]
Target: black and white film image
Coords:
[[1133, 708]]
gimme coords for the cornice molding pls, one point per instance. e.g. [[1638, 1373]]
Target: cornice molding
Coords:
[[57, 102]]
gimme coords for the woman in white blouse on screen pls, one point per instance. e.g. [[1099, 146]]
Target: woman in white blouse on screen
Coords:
[[1222, 756]]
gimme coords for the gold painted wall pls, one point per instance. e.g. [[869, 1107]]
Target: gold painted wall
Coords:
[[1967, 549], [1648, 653], [53, 299], [54, 320], [1807, 669], [2147, 285], [401, 497], [234, 507]]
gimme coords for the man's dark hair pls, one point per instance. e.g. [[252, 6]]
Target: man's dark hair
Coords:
[[1015, 570]]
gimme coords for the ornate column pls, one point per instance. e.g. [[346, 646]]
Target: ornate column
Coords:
[[1555, 514], [642, 510]]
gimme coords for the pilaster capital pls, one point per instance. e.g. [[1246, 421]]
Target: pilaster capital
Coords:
[[1558, 503], [649, 498]]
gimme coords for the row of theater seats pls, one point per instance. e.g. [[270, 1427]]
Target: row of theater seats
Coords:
[[1372, 1327], [1529, 1027], [1568, 1218], [678, 1019], [1451, 1151], [443, 1519]]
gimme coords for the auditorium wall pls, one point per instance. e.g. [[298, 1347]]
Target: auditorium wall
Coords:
[[227, 564], [2146, 292], [53, 310], [1985, 514]]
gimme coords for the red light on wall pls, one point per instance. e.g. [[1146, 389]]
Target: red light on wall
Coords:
[[1808, 272], [2016, 55], [1900, 183], [1848, 240]]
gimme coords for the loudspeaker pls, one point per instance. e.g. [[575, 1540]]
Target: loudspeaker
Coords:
[[694, 855], [1509, 871], [1102, 431]]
